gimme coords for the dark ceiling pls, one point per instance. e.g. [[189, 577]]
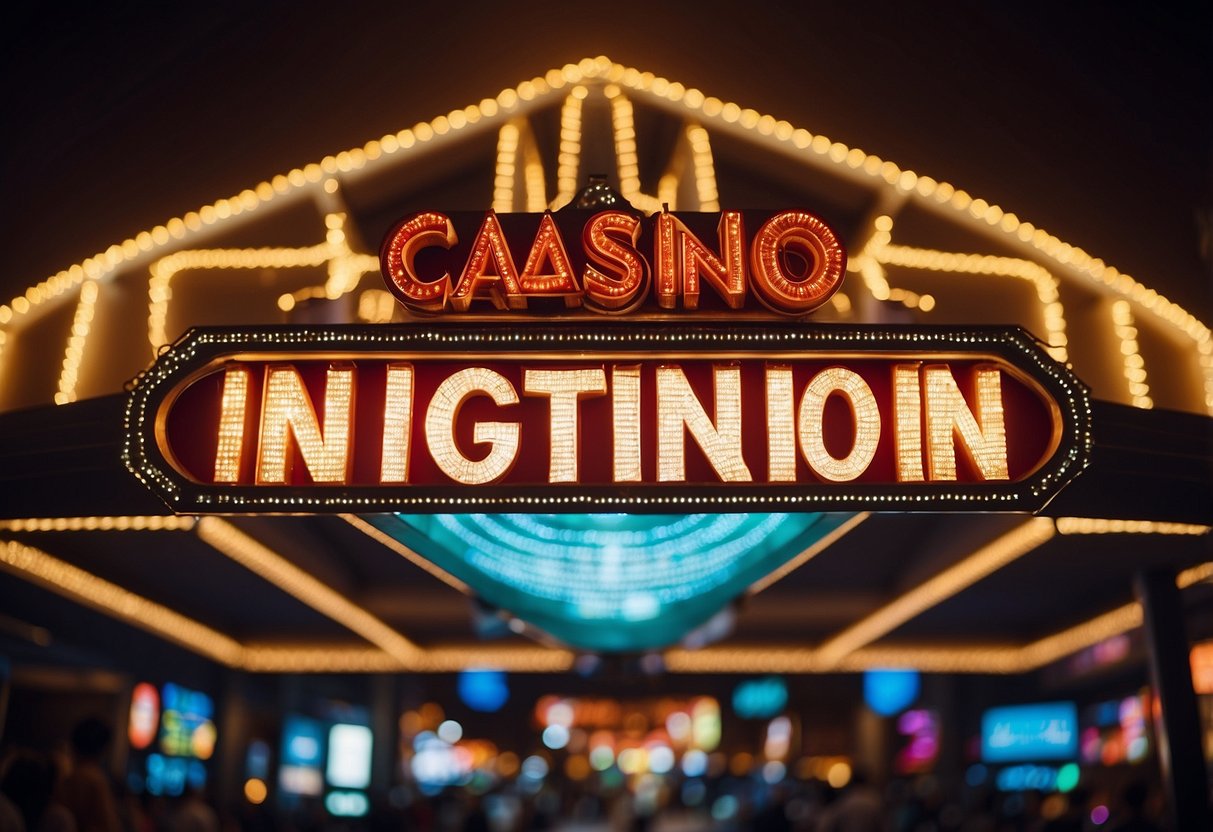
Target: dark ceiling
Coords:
[[121, 118]]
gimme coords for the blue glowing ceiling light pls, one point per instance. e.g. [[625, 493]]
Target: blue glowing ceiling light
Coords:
[[609, 582]]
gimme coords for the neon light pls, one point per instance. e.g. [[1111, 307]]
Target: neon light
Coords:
[[624, 284], [1046, 731], [489, 250]]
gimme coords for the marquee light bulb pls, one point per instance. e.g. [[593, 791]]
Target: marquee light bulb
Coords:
[[679, 408], [984, 438], [865, 416], [502, 437], [287, 410], [564, 388]]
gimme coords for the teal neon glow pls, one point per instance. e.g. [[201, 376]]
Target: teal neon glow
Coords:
[[612, 582]]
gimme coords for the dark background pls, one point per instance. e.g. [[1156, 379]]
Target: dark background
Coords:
[[1093, 121]]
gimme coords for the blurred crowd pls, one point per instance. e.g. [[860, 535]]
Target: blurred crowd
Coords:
[[73, 792], [43, 791]]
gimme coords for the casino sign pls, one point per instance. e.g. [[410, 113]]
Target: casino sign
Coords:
[[666, 413]]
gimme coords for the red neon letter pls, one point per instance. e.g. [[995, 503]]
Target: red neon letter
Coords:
[[548, 247], [622, 286], [502, 287], [399, 251], [804, 235]]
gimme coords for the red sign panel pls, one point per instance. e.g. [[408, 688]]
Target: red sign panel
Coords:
[[563, 418]]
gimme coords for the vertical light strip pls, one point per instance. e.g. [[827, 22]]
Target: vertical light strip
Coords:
[[988, 559], [507, 167], [907, 422], [568, 161], [622, 120], [260, 559], [343, 273], [532, 173], [1134, 364], [73, 353], [72, 582], [705, 168]]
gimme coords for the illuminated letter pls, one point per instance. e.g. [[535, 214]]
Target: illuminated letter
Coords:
[[549, 248], [805, 237], [399, 252], [781, 425], [625, 426], [948, 414], [864, 412], [678, 407], [502, 287], [231, 424], [696, 259], [682, 259], [287, 409], [615, 292], [502, 437], [564, 388], [397, 423], [666, 274], [907, 422]]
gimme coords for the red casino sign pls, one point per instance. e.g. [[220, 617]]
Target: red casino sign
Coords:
[[576, 418]]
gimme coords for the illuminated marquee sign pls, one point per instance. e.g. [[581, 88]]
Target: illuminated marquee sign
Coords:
[[612, 262], [663, 418]]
